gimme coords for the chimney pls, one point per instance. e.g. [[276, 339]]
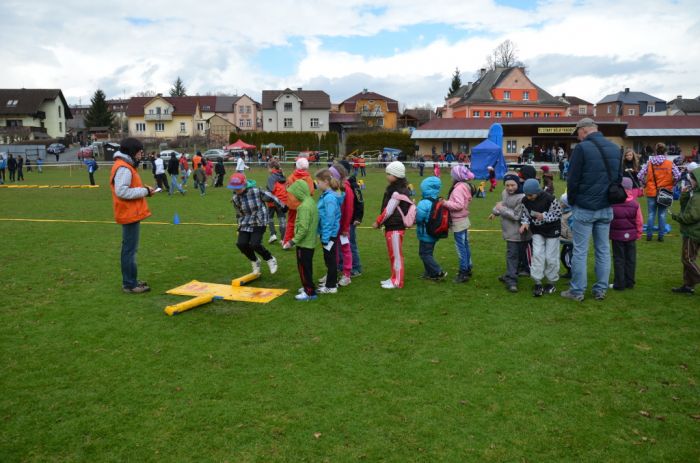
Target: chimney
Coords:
[[482, 72], [160, 94], [364, 91], [563, 95], [679, 97], [627, 89], [299, 89]]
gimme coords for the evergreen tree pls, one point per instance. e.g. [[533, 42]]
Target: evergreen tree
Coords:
[[178, 88], [99, 114], [456, 83]]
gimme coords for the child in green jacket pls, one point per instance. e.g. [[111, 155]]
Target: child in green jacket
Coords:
[[305, 238], [689, 219]]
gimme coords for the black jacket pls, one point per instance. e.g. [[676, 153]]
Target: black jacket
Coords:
[[587, 182], [395, 221], [358, 210], [173, 166]]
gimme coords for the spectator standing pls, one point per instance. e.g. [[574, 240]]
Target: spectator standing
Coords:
[[11, 166], [161, 178], [657, 174]]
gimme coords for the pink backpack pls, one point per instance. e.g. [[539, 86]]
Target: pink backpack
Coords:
[[409, 218]]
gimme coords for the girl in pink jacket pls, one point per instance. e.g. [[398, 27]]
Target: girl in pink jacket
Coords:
[[457, 202]]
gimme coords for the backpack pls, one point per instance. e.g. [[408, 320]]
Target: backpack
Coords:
[[358, 203], [95, 166], [439, 219], [409, 218]]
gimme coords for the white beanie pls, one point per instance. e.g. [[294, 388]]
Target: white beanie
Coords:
[[302, 163], [397, 169]]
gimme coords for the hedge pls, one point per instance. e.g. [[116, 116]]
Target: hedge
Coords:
[[292, 141], [371, 141]]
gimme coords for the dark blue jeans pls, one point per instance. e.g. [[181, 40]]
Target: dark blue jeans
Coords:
[[425, 251], [130, 245]]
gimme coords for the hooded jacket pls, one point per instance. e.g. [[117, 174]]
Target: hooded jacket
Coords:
[[275, 185], [430, 189], [329, 215], [627, 222], [510, 215], [458, 201], [299, 174], [306, 222], [173, 165], [689, 217]]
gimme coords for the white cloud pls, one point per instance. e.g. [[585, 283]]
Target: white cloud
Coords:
[[585, 48]]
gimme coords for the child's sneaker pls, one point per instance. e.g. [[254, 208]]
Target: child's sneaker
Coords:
[[683, 290], [385, 282], [549, 288], [272, 264], [513, 289], [344, 281], [287, 245], [256, 267], [569, 295], [324, 290], [272, 239], [388, 285], [305, 297], [537, 291], [462, 277], [439, 277]]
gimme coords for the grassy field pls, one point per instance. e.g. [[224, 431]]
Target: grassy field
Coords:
[[433, 372]]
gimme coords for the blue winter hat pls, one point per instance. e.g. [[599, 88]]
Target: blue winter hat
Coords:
[[531, 187]]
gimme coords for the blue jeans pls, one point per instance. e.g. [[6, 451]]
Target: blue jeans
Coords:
[[653, 210], [425, 251], [463, 250], [587, 223], [130, 244], [356, 265], [174, 184]]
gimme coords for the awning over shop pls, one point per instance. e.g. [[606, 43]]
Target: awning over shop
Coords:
[[448, 134], [663, 132]]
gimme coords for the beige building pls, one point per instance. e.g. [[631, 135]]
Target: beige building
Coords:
[[32, 114], [170, 117], [295, 110], [242, 111]]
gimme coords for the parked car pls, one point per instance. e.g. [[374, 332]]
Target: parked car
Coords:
[[56, 148], [214, 154], [166, 154]]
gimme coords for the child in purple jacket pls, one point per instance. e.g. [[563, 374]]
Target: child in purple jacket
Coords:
[[625, 230]]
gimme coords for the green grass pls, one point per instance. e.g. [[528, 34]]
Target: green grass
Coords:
[[433, 372]]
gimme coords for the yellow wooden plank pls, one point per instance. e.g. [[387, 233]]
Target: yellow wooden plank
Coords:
[[228, 292]]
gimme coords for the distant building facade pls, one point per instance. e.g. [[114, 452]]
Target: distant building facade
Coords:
[[295, 110], [373, 109], [629, 104], [31, 114]]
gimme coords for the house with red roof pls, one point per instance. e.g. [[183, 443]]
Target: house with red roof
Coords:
[[169, 117], [372, 109]]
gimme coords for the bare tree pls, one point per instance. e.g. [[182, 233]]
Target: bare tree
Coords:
[[504, 55], [146, 93]]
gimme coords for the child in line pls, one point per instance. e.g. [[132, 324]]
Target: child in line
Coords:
[[305, 237], [252, 218], [689, 220], [200, 179], [358, 212], [346, 214], [547, 180], [329, 204], [457, 203], [301, 172], [625, 229], [541, 215], [275, 185], [509, 209], [392, 212], [430, 189]]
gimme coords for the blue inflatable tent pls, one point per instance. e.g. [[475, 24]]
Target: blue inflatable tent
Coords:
[[486, 154]]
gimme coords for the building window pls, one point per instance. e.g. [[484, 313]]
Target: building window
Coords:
[[13, 123], [288, 124], [380, 122], [509, 114], [314, 122], [537, 115], [150, 111], [582, 110], [287, 107], [247, 109], [506, 95], [140, 127], [11, 103], [249, 123], [631, 112], [526, 114], [609, 109], [526, 95], [476, 114], [206, 108], [546, 115], [160, 127], [200, 126], [650, 108], [498, 114], [60, 126], [511, 146], [166, 110], [182, 127], [60, 108], [556, 115], [487, 114]]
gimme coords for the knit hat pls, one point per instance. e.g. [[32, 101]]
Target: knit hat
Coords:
[[334, 172], [397, 169], [237, 182], [511, 176], [545, 169], [531, 186], [627, 183], [302, 163], [461, 173]]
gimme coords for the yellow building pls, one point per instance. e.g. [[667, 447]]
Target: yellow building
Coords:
[[169, 117], [373, 109]]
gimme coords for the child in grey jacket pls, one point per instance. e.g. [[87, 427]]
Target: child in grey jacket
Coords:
[[509, 209]]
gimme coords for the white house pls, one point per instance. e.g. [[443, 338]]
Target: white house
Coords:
[[27, 113], [295, 110]]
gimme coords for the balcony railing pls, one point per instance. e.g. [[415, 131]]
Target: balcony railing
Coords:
[[159, 117], [372, 114]]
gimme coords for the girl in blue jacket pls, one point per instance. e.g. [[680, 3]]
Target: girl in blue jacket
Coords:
[[328, 227], [430, 188]]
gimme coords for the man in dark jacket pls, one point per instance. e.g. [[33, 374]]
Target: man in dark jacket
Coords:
[[587, 193]]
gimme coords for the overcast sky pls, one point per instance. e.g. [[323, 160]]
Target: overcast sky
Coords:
[[404, 49]]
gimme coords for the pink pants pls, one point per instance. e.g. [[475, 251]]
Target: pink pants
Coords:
[[394, 244], [344, 249]]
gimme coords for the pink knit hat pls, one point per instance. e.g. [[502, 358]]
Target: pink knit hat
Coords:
[[461, 173]]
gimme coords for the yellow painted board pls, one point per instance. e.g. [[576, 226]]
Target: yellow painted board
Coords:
[[188, 305], [228, 292], [240, 281]]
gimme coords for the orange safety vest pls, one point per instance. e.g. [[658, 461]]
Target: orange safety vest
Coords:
[[663, 173], [128, 210]]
